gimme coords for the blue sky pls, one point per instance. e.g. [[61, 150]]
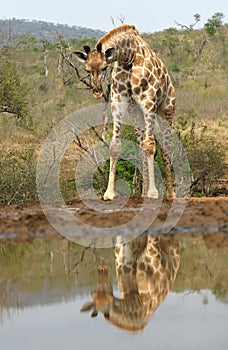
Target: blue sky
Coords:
[[147, 15]]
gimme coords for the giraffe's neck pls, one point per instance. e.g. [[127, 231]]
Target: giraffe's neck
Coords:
[[124, 41]]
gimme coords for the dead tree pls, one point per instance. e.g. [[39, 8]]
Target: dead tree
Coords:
[[120, 18], [190, 26], [45, 43]]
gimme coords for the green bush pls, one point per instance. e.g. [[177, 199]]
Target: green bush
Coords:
[[126, 165], [129, 167], [13, 92], [17, 176], [205, 154]]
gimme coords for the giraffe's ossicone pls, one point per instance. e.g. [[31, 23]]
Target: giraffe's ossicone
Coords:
[[146, 269], [139, 77]]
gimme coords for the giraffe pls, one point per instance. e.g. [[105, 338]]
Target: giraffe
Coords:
[[140, 77], [146, 269]]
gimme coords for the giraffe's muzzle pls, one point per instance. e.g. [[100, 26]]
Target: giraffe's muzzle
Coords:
[[97, 90]]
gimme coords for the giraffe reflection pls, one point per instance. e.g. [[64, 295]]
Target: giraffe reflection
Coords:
[[146, 269]]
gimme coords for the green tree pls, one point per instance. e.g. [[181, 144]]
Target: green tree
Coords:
[[214, 23], [13, 92], [205, 154], [170, 39]]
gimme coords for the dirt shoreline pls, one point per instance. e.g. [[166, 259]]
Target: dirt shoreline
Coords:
[[24, 222]]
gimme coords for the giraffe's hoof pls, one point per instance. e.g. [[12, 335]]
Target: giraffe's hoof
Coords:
[[171, 196], [109, 196], [102, 268], [152, 194]]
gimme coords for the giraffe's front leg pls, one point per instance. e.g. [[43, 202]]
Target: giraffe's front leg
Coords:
[[145, 183], [115, 148], [152, 190], [118, 111], [149, 147]]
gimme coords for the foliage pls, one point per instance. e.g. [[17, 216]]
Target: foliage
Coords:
[[17, 176], [205, 154], [171, 39], [214, 23], [33, 273], [13, 92], [197, 62], [126, 166]]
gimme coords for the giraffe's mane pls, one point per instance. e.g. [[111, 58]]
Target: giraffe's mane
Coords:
[[119, 30]]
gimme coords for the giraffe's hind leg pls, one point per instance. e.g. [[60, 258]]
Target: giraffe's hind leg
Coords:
[[149, 148], [136, 116], [166, 127]]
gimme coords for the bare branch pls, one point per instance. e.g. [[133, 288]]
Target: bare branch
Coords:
[[80, 260], [183, 26], [121, 18], [68, 60], [99, 137], [191, 26], [89, 153], [82, 79], [112, 21]]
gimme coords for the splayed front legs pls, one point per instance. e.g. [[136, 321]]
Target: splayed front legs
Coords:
[[148, 147]]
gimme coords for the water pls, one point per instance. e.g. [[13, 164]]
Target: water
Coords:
[[44, 285], [182, 322]]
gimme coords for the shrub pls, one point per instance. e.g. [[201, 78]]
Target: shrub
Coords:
[[13, 92], [17, 176], [205, 154]]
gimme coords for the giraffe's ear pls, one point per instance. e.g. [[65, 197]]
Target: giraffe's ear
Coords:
[[87, 306], [81, 56], [94, 313], [110, 55], [87, 49], [99, 47]]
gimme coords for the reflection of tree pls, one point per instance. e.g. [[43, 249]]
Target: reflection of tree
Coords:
[[146, 269], [46, 271]]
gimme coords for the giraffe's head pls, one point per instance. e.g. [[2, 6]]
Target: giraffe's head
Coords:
[[102, 296], [96, 63], [125, 314]]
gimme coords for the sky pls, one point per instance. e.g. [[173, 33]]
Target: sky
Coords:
[[146, 15]]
